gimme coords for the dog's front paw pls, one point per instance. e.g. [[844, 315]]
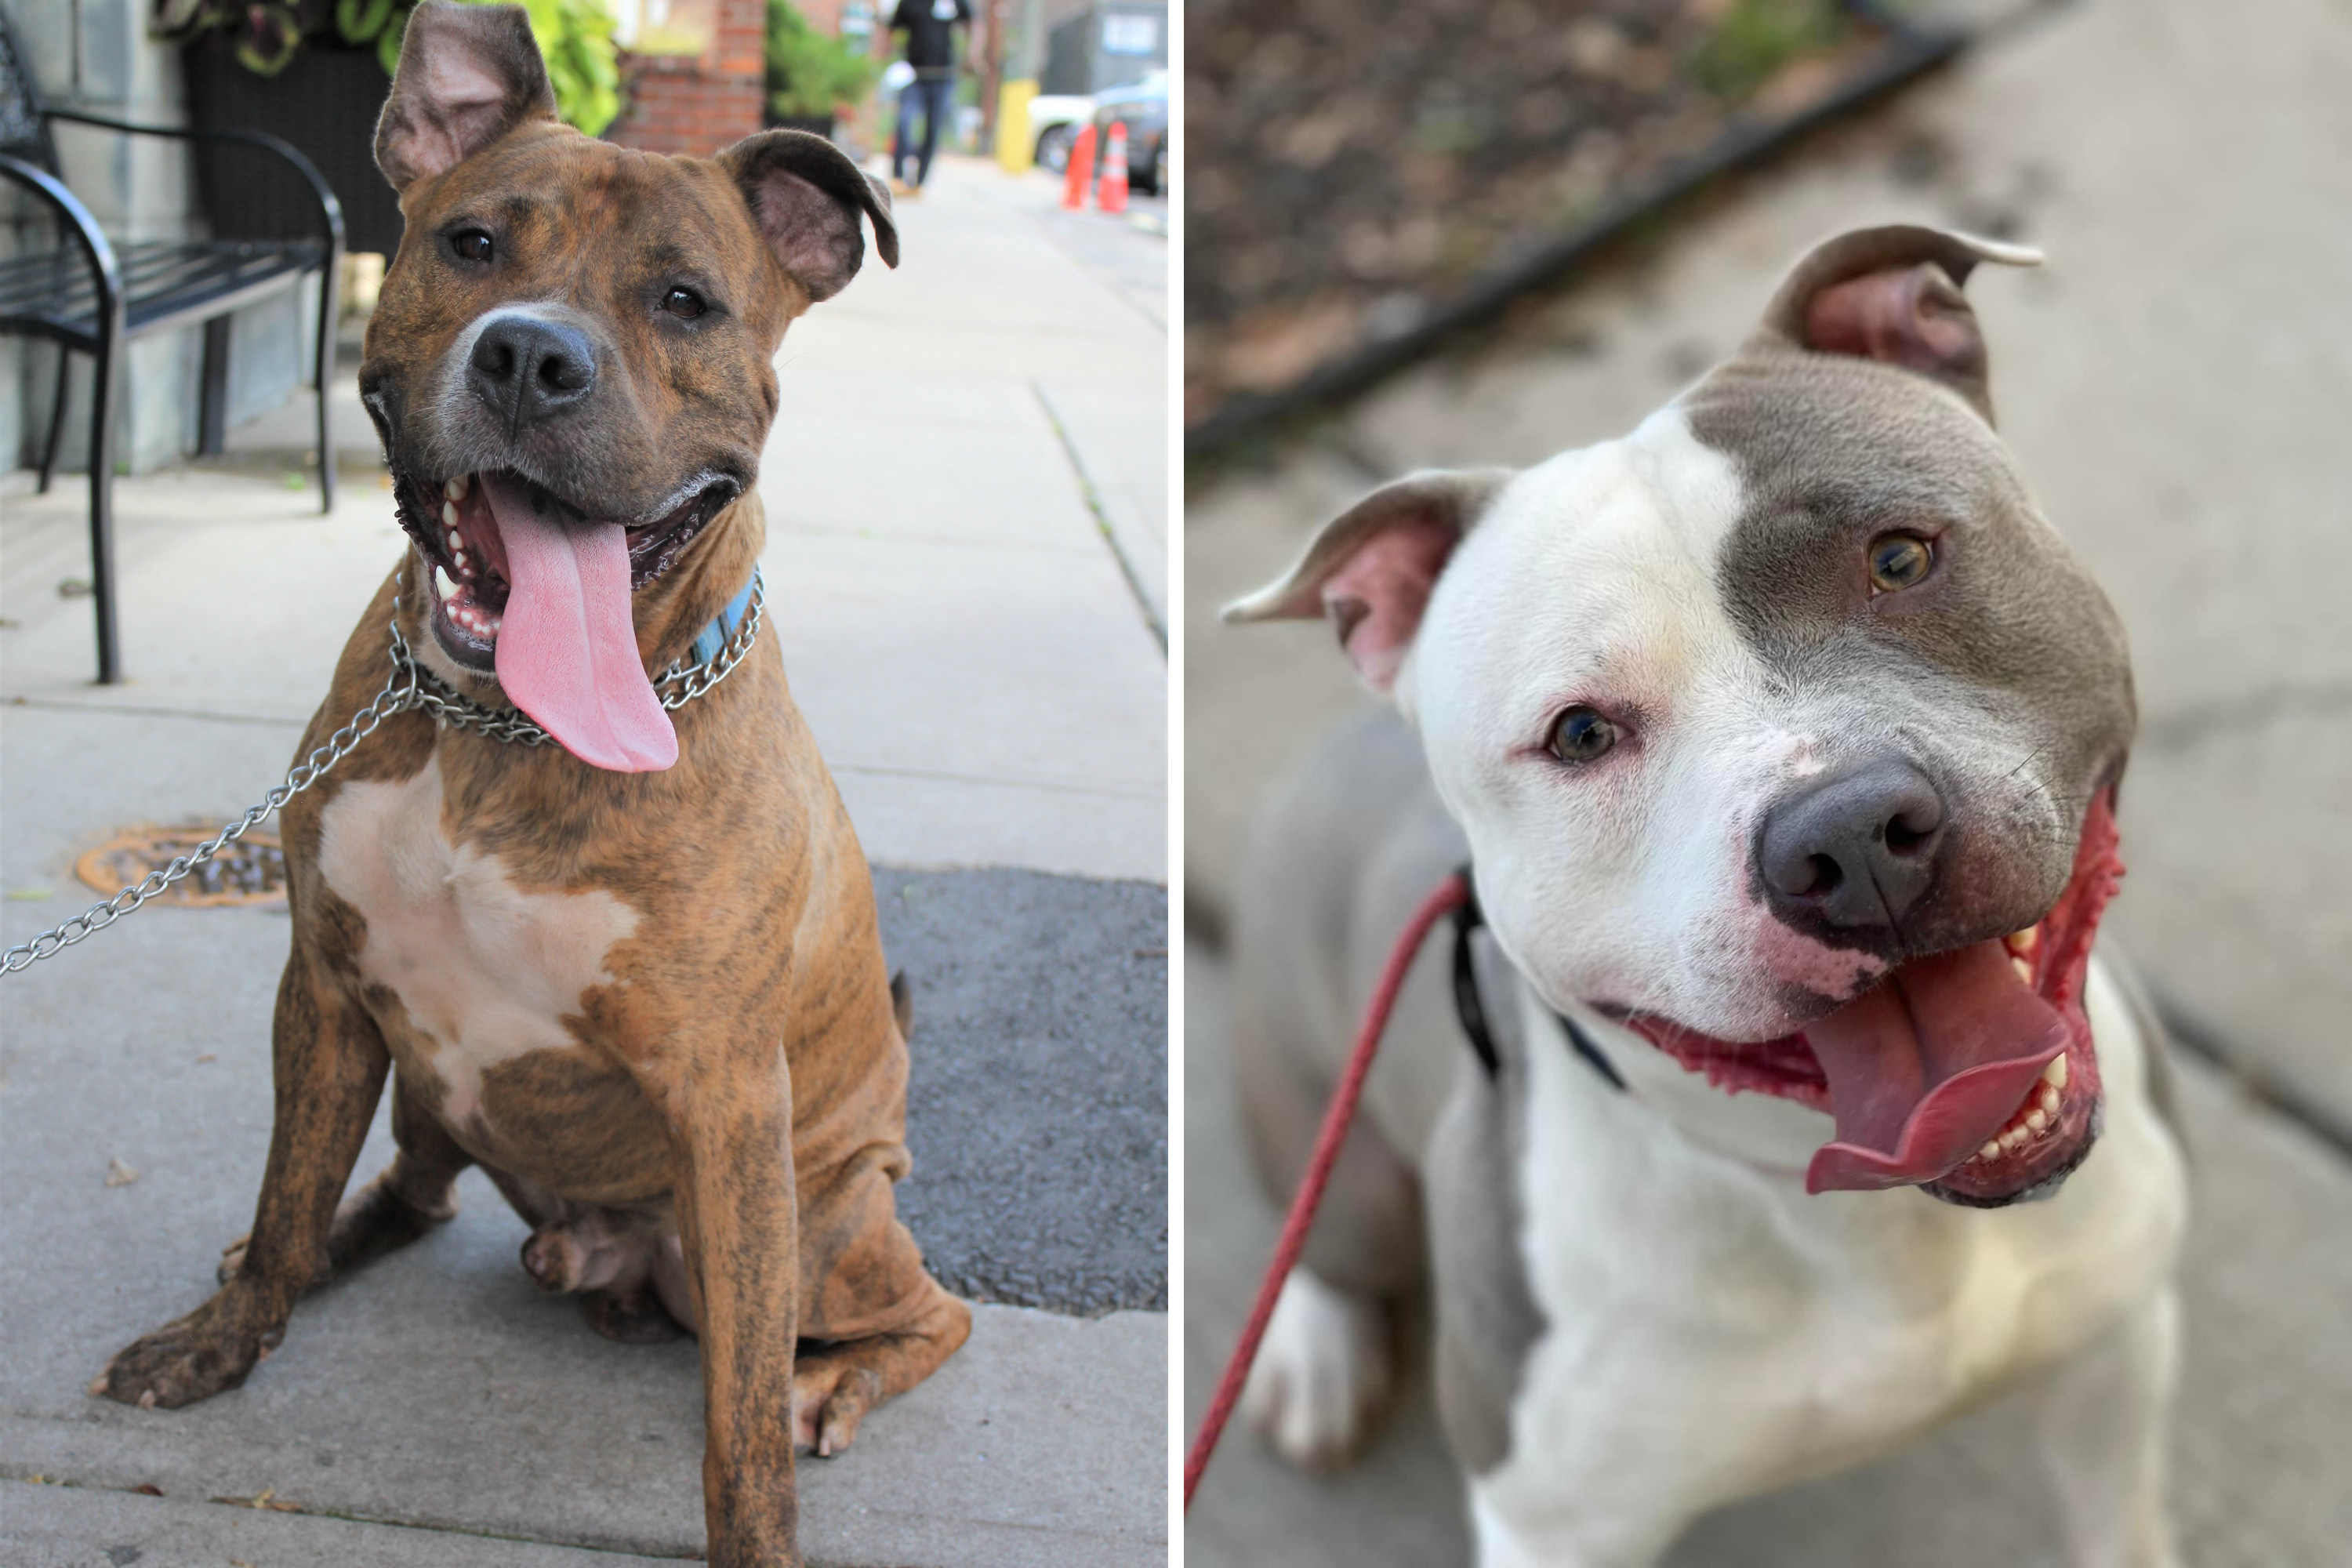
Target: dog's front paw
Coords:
[[1322, 1374], [196, 1357]]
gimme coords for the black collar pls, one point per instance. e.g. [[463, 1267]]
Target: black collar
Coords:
[[1471, 1010]]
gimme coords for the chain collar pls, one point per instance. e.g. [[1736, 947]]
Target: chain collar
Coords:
[[410, 686], [679, 685]]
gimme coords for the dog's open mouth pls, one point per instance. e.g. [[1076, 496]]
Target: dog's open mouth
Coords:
[[1969, 1073], [531, 586]]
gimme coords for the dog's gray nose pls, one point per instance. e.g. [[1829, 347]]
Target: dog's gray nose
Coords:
[[1857, 850], [526, 368]]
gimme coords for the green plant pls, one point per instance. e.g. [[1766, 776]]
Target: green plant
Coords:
[[1754, 39], [268, 34], [810, 73], [575, 37]]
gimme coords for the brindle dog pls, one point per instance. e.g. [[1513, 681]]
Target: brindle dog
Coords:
[[647, 996]]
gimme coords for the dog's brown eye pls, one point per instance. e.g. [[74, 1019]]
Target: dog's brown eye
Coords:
[[471, 245], [1580, 734], [683, 302], [1899, 561]]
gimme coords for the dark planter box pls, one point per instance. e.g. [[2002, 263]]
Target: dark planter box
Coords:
[[325, 102]]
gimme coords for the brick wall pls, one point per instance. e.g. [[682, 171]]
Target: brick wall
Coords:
[[699, 103]]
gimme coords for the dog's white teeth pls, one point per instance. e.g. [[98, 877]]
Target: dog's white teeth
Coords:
[[449, 513], [458, 558], [2024, 970], [455, 489], [441, 584], [2034, 1117], [456, 540], [2023, 942]]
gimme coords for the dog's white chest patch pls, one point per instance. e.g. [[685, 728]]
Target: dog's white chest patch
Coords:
[[486, 970], [1712, 1333]]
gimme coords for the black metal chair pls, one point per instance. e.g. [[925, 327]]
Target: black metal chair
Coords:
[[98, 301]]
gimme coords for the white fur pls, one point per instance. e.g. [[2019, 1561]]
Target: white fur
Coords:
[[1321, 1374], [486, 970], [1590, 580], [1713, 1332]]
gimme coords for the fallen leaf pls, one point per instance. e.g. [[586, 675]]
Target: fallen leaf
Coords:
[[29, 895], [148, 1488], [208, 1056], [119, 1174]]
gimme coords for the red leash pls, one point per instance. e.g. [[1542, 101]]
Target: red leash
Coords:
[[1449, 894]]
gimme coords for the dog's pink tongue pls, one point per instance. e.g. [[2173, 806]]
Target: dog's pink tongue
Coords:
[[567, 649], [1927, 1065]]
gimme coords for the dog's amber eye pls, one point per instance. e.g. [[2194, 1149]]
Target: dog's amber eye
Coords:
[[683, 302], [471, 245], [1579, 736], [1899, 561]]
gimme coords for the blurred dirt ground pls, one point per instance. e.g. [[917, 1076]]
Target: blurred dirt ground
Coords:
[[1430, 143]]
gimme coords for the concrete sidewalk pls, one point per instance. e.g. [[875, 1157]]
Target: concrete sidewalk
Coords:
[[2174, 382], [984, 676]]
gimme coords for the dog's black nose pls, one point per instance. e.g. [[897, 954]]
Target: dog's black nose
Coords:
[[1857, 850], [527, 369]]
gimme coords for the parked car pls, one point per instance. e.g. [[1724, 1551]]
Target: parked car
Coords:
[[1053, 120], [1142, 107]]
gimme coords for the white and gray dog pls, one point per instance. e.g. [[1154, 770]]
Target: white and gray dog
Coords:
[[1782, 735]]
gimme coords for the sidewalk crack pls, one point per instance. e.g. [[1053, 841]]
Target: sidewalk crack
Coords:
[[1093, 499]]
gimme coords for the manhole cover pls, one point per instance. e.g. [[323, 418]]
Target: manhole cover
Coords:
[[250, 871]]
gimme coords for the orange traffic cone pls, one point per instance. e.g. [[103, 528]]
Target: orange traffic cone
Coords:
[[1082, 169], [1112, 193]]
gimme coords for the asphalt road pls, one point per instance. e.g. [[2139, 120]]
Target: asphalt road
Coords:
[[1038, 1111]]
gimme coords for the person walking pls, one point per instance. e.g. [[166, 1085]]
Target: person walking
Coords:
[[930, 27]]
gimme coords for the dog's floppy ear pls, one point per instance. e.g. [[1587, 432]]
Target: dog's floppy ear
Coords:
[[1893, 294], [806, 194], [1371, 568], [469, 74]]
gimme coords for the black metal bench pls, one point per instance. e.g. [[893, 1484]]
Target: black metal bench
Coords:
[[96, 296]]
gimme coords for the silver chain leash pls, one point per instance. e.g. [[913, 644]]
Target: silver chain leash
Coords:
[[410, 685]]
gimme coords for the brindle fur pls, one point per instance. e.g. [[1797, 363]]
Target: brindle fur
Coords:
[[755, 924]]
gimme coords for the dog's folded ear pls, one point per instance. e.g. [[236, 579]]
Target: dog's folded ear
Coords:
[[806, 194], [1373, 568], [469, 74], [1893, 294]]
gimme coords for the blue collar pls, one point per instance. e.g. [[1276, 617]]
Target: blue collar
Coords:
[[716, 635]]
